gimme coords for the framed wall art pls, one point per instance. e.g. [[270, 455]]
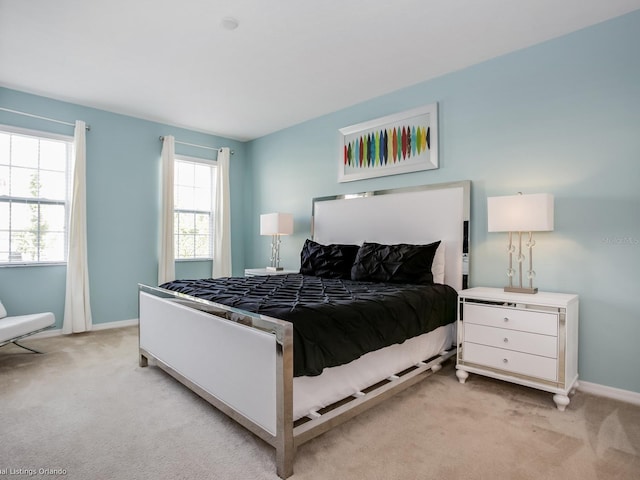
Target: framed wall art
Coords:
[[400, 143]]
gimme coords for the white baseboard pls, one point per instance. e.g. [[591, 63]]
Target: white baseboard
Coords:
[[95, 327], [609, 392], [119, 324]]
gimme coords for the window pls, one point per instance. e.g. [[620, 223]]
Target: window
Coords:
[[34, 206], [194, 194]]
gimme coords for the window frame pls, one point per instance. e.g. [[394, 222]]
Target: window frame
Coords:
[[210, 163], [69, 164]]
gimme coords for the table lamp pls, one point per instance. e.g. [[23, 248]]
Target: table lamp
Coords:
[[520, 214], [276, 224]]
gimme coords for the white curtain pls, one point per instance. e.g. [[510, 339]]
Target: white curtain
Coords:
[[166, 262], [77, 305], [222, 218]]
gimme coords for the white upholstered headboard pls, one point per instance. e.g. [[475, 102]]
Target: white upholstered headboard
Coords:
[[416, 215]]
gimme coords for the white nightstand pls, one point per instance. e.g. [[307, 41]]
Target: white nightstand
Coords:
[[253, 272], [529, 339]]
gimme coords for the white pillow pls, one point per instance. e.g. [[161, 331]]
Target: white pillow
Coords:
[[3, 312], [437, 267]]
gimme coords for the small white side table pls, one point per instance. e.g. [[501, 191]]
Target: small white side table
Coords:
[[253, 272], [529, 339]]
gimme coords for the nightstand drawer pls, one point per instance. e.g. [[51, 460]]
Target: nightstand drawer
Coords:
[[502, 317], [536, 344], [508, 361]]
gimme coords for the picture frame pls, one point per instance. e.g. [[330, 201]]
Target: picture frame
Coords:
[[399, 143]]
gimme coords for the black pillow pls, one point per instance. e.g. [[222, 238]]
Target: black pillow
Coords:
[[328, 261], [400, 263]]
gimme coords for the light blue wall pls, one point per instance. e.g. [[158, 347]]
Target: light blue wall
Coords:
[[123, 205], [562, 117]]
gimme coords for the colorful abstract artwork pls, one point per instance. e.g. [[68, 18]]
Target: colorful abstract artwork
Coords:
[[400, 143]]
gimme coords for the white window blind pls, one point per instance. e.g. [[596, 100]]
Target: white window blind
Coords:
[[34, 196], [194, 194]]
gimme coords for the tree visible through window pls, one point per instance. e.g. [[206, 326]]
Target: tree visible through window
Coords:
[[34, 180], [194, 193]]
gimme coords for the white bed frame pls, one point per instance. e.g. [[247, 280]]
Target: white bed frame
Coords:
[[242, 363]]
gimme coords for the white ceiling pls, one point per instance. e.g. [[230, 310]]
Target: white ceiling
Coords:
[[171, 61]]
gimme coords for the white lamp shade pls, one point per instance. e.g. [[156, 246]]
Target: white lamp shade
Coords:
[[520, 213], [276, 224]]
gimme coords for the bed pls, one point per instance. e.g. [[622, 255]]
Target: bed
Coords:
[[229, 341]]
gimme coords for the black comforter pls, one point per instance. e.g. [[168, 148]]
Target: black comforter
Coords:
[[334, 321]]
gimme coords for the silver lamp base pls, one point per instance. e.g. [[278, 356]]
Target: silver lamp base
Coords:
[[520, 257], [275, 254]]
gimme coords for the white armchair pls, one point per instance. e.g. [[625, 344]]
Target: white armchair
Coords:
[[16, 328]]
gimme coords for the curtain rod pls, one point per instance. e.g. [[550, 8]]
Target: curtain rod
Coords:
[[88, 127], [196, 145]]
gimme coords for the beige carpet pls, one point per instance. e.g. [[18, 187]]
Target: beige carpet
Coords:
[[85, 410]]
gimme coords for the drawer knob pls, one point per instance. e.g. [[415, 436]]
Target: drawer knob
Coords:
[[506, 340], [504, 360], [506, 319]]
